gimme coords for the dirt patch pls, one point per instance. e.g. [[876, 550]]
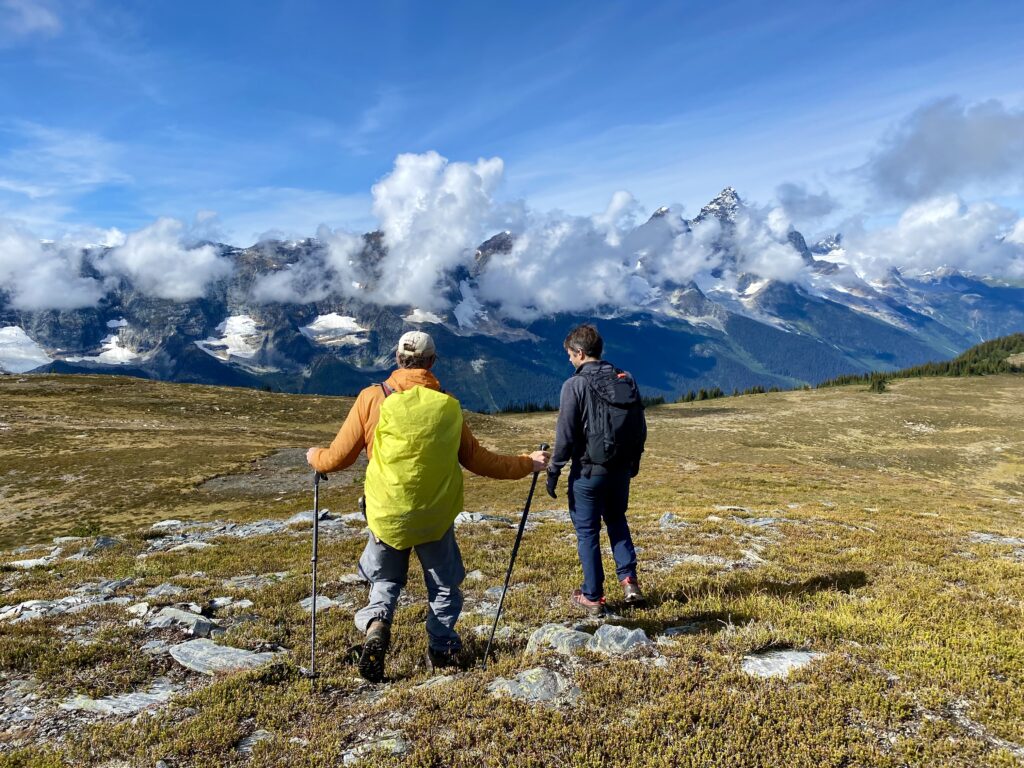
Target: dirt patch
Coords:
[[281, 473]]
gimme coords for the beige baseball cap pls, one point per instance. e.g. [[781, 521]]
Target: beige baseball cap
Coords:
[[416, 344]]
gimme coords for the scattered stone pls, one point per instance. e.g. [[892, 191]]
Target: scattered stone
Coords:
[[721, 508], [189, 546], [555, 636], [475, 576], [391, 742], [165, 525], [537, 685], [479, 517], [37, 562], [714, 561], [615, 640], [353, 578], [155, 647], [248, 744], [255, 582], [208, 658], [992, 538], [219, 603], [501, 633], [323, 603], [125, 704], [485, 608], [166, 590], [761, 522], [777, 663], [139, 609], [61, 540], [307, 517], [103, 542], [690, 628], [196, 624], [671, 521]]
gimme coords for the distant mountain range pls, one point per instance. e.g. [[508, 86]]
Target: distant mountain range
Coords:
[[730, 329]]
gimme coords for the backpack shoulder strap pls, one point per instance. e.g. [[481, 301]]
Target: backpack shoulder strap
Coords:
[[386, 390]]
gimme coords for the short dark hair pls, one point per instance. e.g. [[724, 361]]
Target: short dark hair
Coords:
[[585, 338], [416, 361]]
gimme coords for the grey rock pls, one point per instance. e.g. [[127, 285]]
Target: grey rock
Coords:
[[155, 647], [102, 543], [690, 628], [196, 624], [166, 590], [255, 581], [777, 663], [434, 682], [714, 561], [323, 603], [307, 517], [61, 540], [208, 658], [220, 603], [731, 508], [475, 575], [537, 685], [353, 578], [165, 525], [615, 640], [556, 637], [464, 518], [992, 538], [670, 521], [248, 744], [495, 592], [37, 562], [391, 742], [126, 704], [190, 546], [501, 633]]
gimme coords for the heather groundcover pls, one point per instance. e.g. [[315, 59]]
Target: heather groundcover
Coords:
[[835, 578]]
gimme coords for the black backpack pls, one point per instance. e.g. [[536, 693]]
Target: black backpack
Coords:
[[613, 418]]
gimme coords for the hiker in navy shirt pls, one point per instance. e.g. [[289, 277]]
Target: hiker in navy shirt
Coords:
[[601, 430]]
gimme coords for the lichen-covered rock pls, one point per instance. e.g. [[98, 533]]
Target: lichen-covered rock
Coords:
[[555, 636], [615, 640], [777, 663], [391, 742], [125, 704], [208, 658], [537, 685]]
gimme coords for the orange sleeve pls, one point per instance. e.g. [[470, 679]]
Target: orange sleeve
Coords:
[[481, 461], [351, 439]]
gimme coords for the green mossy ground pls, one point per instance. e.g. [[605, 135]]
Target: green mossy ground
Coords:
[[923, 630]]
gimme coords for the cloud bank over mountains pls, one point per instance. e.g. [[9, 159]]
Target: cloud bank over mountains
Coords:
[[432, 214]]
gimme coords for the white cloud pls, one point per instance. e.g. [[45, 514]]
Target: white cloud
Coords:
[[947, 146], [801, 204], [38, 276], [159, 264], [983, 238], [21, 19], [432, 213]]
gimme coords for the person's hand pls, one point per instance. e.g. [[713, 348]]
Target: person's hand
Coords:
[[540, 460], [552, 483], [309, 456]]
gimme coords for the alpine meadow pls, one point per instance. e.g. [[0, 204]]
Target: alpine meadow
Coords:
[[511, 385]]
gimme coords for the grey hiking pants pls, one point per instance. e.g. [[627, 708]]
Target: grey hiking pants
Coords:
[[387, 568]]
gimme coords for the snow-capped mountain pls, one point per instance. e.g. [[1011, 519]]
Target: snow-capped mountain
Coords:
[[731, 326]]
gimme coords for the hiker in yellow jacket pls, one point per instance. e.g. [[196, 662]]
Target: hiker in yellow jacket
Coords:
[[415, 440]]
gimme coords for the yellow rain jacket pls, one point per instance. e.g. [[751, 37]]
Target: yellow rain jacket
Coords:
[[415, 441]]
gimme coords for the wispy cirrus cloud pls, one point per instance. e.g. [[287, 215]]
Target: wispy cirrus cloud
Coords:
[[26, 19]]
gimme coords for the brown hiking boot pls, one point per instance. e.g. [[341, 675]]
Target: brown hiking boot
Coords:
[[375, 647], [592, 607], [631, 591]]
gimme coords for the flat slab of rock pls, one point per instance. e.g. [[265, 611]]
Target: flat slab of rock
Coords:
[[195, 623], [391, 742], [165, 590], [125, 704], [307, 517], [37, 562], [992, 538], [255, 581], [777, 663], [248, 744], [537, 686], [670, 521], [323, 603], [208, 658], [561, 639], [615, 640], [479, 517]]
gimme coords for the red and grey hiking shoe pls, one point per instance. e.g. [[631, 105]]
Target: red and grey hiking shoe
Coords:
[[375, 647], [592, 607], [631, 591]]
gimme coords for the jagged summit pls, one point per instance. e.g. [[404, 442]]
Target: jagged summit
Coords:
[[724, 207], [828, 244]]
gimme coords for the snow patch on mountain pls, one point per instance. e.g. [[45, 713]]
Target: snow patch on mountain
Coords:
[[113, 353], [335, 330], [469, 311], [478, 365], [421, 316], [240, 337], [18, 352]]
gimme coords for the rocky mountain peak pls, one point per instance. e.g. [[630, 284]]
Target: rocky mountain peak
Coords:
[[724, 207]]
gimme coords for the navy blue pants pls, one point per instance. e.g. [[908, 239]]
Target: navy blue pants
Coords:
[[591, 500]]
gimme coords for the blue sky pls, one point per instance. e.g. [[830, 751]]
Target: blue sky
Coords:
[[281, 116]]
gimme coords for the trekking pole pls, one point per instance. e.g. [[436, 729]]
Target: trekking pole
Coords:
[[512, 560], [317, 477]]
